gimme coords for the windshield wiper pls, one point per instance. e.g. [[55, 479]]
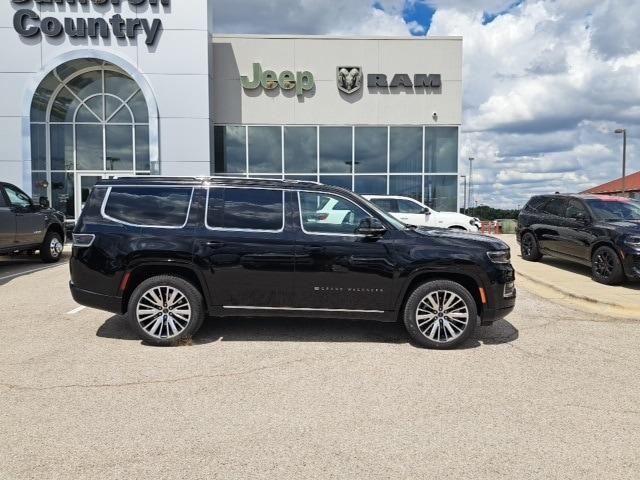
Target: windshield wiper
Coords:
[[408, 226]]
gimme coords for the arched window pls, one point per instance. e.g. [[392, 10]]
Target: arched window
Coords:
[[89, 120]]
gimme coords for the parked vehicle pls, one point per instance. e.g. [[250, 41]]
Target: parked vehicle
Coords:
[[598, 231], [169, 251], [27, 227], [412, 212]]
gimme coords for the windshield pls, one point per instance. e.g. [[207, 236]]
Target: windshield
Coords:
[[393, 221], [612, 210]]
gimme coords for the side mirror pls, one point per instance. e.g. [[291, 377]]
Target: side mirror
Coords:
[[371, 227], [44, 202], [426, 211]]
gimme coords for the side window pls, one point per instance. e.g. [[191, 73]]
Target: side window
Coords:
[[386, 204], [164, 207], [407, 206], [3, 202], [556, 206], [328, 213], [16, 197], [575, 209], [246, 209]]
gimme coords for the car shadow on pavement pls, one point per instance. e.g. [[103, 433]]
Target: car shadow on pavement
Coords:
[[579, 269], [14, 266], [231, 329]]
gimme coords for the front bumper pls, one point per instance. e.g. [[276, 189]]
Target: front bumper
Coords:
[[96, 300], [498, 306]]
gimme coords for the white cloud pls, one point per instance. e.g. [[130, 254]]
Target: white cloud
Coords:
[[545, 86], [546, 82]]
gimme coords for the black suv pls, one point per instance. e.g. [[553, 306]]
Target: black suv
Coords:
[[27, 227], [598, 231], [170, 251]]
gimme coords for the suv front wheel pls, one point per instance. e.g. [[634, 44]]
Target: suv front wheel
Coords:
[[165, 310], [606, 266], [440, 314]]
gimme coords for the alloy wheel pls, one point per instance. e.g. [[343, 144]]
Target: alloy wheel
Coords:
[[163, 312], [442, 316], [55, 247], [604, 264]]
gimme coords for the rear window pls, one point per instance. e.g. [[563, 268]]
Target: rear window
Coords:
[[246, 209], [165, 207], [535, 203]]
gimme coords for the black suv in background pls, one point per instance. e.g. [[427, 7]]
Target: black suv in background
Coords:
[[170, 251], [27, 227], [598, 231]]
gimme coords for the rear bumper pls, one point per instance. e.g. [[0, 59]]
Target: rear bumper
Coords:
[[96, 300]]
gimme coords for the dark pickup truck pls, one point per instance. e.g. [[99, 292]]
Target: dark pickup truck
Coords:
[[27, 227]]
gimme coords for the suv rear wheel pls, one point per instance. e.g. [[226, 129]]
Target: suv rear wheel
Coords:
[[606, 266], [165, 310], [529, 247], [51, 249], [440, 314]]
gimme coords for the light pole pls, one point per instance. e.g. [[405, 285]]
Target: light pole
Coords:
[[471, 159], [623, 131], [464, 208]]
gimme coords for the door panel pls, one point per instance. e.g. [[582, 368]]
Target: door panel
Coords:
[[576, 235], [551, 221], [7, 222], [29, 223], [246, 248], [341, 271]]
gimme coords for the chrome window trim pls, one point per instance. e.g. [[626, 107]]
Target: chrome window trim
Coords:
[[300, 309], [245, 187], [122, 222], [327, 233]]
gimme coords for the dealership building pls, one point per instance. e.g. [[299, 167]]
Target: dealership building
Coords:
[[95, 89]]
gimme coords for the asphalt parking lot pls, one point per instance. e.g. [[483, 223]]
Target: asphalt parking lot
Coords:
[[547, 393]]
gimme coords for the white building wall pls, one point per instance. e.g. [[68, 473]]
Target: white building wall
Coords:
[[233, 56], [176, 68]]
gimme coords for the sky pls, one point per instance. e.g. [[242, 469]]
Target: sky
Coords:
[[546, 82]]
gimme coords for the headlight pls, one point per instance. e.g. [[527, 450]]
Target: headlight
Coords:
[[633, 241], [500, 256]]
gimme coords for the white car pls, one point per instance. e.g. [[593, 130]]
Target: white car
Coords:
[[412, 212]]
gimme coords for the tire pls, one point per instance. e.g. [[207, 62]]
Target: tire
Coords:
[[606, 266], [529, 248], [162, 323], [438, 328], [51, 248]]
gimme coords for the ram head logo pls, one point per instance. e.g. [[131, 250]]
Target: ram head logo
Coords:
[[349, 79]]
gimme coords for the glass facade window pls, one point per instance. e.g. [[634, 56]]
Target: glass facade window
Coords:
[[86, 116], [343, 181], [265, 149], [370, 149], [441, 149], [371, 184], [336, 150], [230, 149], [440, 192], [413, 161], [406, 186], [405, 149], [301, 149]]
